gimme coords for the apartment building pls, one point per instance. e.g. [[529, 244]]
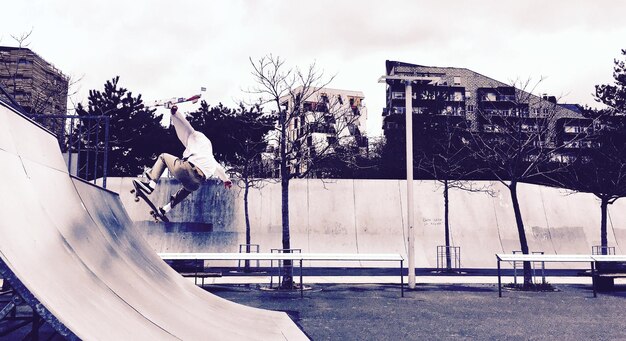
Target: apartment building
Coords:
[[482, 103], [319, 120]]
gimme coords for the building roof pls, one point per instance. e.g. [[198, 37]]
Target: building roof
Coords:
[[572, 107], [390, 64], [31, 52]]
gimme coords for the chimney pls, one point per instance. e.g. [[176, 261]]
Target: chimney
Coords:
[[551, 99]]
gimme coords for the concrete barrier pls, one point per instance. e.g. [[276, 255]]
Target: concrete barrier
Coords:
[[368, 216]]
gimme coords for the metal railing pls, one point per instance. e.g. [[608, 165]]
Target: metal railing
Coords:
[[602, 250], [247, 248], [535, 268], [85, 142], [279, 273], [448, 257]]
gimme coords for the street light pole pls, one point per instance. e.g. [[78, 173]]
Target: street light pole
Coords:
[[408, 80], [408, 112]]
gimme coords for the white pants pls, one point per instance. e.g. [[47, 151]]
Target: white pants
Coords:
[[183, 127]]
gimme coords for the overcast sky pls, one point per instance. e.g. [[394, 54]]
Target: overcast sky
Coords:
[[164, 49]]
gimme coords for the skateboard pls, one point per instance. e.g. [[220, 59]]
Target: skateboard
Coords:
[[154, 212]]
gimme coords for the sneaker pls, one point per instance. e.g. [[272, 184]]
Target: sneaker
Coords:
[[162, 215], [162, 212], [144, 186]]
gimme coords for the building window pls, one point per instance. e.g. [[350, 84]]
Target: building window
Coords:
[[397, 95], [392, 125], [470, 108], [457, 80], [576, 129]]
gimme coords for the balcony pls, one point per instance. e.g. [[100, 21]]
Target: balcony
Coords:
[[490, 97], [321, 128], [576, 130]]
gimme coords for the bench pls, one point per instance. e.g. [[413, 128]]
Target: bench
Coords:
[[609, 267], [192, 268], [593, 260], [294, 257]]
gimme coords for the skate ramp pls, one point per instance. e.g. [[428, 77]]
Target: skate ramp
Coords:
[[70, 250]]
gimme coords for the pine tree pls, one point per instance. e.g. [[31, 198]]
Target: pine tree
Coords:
[[134, 133]]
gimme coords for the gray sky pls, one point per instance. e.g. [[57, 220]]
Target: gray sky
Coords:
[[164, 49]]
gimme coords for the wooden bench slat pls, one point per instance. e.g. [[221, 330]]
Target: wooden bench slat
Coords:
[[283, 256], [544, 258], [201, 274], [614, 275]]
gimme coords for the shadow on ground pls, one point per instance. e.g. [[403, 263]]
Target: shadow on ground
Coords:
[[443, 312]]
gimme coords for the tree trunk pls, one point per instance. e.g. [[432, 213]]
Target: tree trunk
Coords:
[[521, 231], [247, 215], [446, 223], [604, 243], [287, 282]]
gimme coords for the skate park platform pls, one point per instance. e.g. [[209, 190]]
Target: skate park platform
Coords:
[[70, 251], [368, 216]]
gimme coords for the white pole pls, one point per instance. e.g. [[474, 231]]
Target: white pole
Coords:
[[409, 181]]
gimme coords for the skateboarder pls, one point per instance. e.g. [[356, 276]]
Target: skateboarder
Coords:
[[195, 167]]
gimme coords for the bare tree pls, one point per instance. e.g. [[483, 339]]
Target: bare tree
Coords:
[[310, 126], [444, 156], [516, 137], [247, 147], [600, 168]]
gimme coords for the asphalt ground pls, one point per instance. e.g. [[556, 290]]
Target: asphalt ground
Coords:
[[443, 312]]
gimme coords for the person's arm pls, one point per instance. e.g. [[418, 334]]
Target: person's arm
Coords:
[[220, 172], [181, 125]]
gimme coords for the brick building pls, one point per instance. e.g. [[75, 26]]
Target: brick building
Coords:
[[38, 86]]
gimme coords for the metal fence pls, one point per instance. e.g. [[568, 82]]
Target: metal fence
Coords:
[[602, 250], [448, 257], [84, 142], [537, 268], [247, 248], [280, 268]]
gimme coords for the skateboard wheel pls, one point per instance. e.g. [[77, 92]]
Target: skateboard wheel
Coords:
[[132, 191], [136, 199]]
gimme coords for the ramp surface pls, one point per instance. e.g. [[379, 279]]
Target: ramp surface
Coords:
[[71, 251]]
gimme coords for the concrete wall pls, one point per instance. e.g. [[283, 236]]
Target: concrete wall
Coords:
[[369, 216]]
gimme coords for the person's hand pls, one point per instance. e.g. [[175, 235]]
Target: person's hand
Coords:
[[228, 184], [173, 109]]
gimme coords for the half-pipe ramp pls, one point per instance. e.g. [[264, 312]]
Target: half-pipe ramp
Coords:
[[71, 251]]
